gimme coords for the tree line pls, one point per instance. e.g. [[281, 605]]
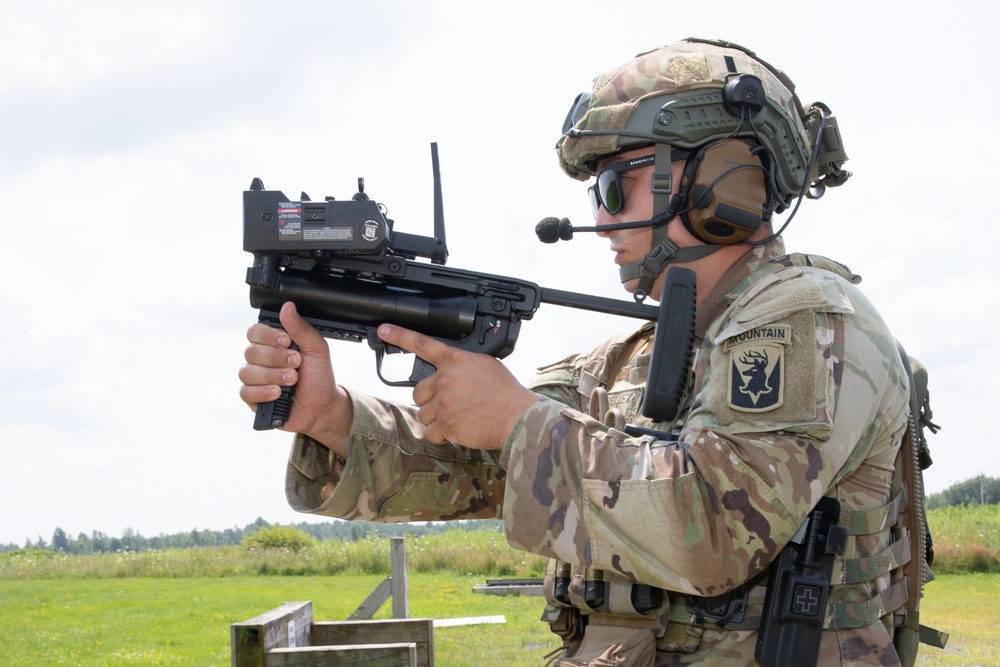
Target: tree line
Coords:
[[132, 541], [979, 490]]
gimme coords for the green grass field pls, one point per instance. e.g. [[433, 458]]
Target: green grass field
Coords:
[[965, 606], [174, 607], [185, 621], [153, 621]]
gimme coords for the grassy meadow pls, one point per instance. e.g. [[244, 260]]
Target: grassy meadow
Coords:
[[175, 607], [146, 621]]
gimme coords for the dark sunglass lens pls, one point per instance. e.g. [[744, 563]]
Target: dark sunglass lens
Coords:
[[609, 190]]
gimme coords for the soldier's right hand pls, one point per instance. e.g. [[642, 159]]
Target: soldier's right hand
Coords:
[[321, 408]]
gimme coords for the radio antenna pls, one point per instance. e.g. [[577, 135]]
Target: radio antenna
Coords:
[[440, 254]]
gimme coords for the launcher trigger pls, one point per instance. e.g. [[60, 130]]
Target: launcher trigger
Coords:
[[421, 369]]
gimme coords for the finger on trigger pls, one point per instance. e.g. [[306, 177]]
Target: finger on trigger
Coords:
[[417, 343]]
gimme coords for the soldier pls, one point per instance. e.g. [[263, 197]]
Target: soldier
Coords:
[[659, 540]]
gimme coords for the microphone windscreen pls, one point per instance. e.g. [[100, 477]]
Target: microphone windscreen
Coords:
[[550, 230]]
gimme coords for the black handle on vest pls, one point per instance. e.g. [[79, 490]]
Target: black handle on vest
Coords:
[[673, 346]]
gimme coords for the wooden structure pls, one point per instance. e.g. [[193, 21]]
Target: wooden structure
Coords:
[[288, 636], [395, 586]]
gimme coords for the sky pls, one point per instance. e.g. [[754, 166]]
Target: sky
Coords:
[[128, 132]]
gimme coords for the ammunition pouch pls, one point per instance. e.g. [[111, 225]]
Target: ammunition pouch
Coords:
[[677, 624], [599, 592]]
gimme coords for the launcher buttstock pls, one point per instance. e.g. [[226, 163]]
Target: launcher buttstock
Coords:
[[673, 346]]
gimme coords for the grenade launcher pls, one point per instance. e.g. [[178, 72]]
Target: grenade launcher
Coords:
[[348, 271]]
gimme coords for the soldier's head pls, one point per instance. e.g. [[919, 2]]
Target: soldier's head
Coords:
[[722, 136]]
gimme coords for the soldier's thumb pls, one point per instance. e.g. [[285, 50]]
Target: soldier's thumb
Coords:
[[302, 333]]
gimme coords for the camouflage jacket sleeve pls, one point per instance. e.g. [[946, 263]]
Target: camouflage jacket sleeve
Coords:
[[392, 473], [797, 392]]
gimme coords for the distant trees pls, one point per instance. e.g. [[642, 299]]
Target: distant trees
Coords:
[[979, 490], [59, 540], [132, 541]]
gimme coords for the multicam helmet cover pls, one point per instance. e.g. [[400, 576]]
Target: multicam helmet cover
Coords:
[[673, 95]]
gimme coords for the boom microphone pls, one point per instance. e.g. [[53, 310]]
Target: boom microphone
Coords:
[[550, 230]]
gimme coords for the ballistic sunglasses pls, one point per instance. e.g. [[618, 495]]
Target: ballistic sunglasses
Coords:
[[607, 192]]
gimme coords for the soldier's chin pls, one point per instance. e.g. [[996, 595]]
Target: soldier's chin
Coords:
[[631, 285]]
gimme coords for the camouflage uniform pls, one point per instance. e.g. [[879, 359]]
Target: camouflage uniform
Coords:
[[796, 392]]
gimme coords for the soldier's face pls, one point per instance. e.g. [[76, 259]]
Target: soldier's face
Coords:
[[631, 245]]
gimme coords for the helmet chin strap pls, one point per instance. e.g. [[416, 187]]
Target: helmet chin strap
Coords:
[[649, 268], [662, 250]]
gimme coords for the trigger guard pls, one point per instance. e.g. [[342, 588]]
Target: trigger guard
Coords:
[[421, 368]]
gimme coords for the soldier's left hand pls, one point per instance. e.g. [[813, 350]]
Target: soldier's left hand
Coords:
[[471, 400]]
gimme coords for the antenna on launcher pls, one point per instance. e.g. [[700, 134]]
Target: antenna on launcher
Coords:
[[440, 254]]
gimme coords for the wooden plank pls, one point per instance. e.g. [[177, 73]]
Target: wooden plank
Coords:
[[471, 620], [373, 602], [527, 581], [398, 654], [284, 626], [419, 631], [504, 589]]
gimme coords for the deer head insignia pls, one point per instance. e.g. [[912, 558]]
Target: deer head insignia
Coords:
[[756, 378]]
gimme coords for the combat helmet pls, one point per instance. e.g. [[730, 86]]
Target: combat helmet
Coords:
[[714, 104]]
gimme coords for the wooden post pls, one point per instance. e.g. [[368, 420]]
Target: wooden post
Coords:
[[288, 626], [394, 586], [400, 590]]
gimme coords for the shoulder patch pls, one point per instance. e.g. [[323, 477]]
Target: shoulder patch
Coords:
[[764, 378], [756, 361]]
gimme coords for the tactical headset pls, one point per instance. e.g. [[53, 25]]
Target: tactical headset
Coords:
[[726, 193], [728, 186]]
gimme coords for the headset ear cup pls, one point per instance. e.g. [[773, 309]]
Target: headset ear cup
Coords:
[[726, 193]]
